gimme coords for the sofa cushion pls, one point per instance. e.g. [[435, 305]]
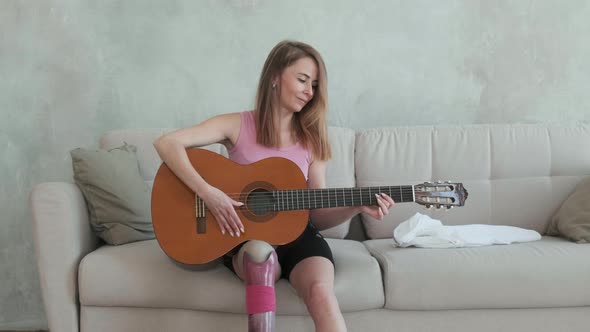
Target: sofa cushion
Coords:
[[143, 139], [118, 199], [516, 175], [551, 272], [339, 172], [140, 275], [572, 220]]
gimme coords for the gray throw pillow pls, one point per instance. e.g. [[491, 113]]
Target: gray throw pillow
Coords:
[[572, 219], [117, 197]]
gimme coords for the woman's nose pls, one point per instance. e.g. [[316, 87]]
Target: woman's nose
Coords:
[[308, 89]]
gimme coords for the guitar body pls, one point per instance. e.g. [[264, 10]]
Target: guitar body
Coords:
[[174, 206]]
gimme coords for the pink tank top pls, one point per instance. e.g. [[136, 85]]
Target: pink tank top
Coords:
[[247, 151]]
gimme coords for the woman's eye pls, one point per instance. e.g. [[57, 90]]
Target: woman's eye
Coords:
[[301, 80]]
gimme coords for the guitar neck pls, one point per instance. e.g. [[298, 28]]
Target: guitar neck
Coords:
[[302, 199]]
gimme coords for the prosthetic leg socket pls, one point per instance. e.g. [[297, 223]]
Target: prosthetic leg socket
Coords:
[[260, 292]]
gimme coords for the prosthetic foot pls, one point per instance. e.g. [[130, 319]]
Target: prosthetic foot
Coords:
[[260, 291]]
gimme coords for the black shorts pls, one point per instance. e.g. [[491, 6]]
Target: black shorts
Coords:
[[309, 244]]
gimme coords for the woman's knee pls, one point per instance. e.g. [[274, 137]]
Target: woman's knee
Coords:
[[319, 293]]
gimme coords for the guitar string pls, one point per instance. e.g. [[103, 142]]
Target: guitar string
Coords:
[[292, 198], [331, 191], [295, 195], [403, 188], [291, 201]]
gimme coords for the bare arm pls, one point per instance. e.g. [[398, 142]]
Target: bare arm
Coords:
[[331, 217], [172, 149], [172, 146]]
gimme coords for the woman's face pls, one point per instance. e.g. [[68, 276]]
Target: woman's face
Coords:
[[298, 83]]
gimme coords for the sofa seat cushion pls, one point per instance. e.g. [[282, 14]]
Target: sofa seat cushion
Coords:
[[140, 275], [551, 272]]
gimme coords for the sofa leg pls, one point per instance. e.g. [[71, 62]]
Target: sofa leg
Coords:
[[260, 292]]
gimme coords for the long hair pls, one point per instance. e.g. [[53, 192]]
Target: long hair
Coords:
[[309, 124]]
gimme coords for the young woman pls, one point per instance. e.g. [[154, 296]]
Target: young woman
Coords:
[[289, 120]]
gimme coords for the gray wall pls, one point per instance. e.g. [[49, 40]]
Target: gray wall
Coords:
[[71, 70]]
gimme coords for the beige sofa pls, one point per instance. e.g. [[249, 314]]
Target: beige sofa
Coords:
[[516, 175]]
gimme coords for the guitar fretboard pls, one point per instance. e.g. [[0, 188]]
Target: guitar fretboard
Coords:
[[302, 199]]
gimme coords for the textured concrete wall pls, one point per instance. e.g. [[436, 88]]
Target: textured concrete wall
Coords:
[[70, 70]]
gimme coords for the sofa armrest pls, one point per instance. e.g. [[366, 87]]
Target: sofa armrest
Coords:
[[62, 236]]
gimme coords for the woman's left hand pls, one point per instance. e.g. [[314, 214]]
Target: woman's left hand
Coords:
[[384, 203]]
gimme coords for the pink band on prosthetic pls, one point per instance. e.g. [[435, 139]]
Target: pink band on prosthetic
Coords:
[[260, 282], [260, 299]]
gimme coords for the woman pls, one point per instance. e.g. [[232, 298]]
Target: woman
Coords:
[[289, 121]]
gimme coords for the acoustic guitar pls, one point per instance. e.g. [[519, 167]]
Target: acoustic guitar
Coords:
[[276, 204]]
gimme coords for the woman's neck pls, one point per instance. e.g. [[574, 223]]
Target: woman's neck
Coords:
[[284, 124]]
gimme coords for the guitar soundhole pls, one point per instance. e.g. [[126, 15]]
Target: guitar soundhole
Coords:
[[260, 202]]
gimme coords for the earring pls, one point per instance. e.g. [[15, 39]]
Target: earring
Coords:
[[274, 85]]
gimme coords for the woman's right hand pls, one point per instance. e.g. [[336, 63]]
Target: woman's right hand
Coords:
[[223, 209]]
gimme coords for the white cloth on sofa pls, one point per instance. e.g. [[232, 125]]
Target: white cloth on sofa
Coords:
[[424, 232]]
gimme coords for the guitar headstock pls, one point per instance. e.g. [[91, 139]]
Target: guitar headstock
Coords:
[[440, 194]]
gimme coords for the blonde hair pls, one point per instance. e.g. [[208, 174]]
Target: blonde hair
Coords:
[[309, 124]]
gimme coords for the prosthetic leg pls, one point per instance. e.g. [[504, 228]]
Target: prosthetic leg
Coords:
[[259, 267]]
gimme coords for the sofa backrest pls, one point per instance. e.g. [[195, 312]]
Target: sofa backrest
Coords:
[[515, 174], [340, 172]]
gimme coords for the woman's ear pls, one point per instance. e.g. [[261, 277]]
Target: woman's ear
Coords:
[[275, 81]]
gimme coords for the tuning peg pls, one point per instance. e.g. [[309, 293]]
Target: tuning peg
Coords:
[[438, 207], [428, 206]]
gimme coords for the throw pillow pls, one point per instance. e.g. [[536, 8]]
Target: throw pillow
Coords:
[[572, 219], [117, 197]]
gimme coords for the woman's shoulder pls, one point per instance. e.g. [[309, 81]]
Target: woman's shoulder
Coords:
[[224, 122], [228, 116], [233, 125], [236, 116]]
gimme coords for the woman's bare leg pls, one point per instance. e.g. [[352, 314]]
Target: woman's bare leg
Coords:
[[313, 278]]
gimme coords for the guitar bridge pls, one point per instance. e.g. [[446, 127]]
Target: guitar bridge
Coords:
[[200, 215]]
